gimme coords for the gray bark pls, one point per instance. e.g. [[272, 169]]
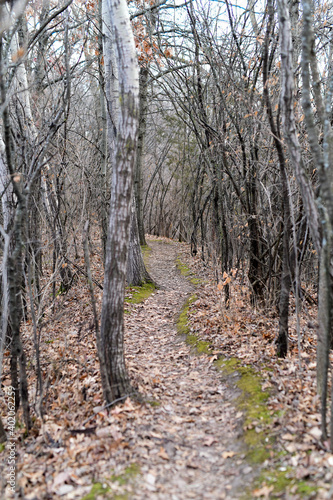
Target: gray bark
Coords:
[[116, 15], [138, 180], [320, 220], [137, 274], [289, 123]]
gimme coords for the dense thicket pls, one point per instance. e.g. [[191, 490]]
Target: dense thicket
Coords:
[[233, 152]]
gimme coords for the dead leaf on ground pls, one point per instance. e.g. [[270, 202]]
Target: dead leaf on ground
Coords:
[[163, 454], [263, 492]]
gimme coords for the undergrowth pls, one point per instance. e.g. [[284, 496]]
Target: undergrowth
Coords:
[[257, 423]]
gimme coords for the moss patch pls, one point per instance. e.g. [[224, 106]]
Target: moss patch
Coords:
[[146, 251], [98, 489], [186, 272], [252, 402], [136, 294], [182, 323], [184, 329], [129, 473], [282, 481], [153, 402], [200, 345]]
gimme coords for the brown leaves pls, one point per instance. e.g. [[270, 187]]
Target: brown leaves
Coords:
[[263, 492], [187, 420], [163, 454], [18, 55], [249, 335], [228, 454]]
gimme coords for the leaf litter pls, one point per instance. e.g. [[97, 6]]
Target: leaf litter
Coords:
[[183, 440]]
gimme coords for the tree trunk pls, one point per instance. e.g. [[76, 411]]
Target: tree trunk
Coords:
[[138, 181], [289, 124], [104, 127], [137, 274], [3, 436], [285, 280], [13, 265], [115, 14]]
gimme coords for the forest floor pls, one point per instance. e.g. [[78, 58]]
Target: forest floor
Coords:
[[221, 417]]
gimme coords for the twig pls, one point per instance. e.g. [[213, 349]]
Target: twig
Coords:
[[82, 271], [102, 364], [107, 406]]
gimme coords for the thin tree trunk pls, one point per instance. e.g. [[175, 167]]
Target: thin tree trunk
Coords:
[[3, 436], [104, 377], [137, 274], [104, 142], [289, 123], [282, 340], [138, 180]]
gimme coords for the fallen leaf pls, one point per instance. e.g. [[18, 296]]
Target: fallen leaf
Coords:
[[193, 465], [209, 441], [263, 492], [315, 432], [163, 454], [288, 437]]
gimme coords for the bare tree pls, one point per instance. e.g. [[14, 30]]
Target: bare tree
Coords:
[[116, 15], [320, 219]]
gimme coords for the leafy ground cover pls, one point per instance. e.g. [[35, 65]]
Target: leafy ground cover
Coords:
[[233, 422], [295, 464]]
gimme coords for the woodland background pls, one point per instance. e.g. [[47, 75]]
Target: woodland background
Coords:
[[232, 154]]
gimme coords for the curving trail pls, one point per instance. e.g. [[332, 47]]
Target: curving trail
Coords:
[[186, 443]]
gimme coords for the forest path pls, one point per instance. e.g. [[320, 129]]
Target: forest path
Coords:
[[186, 446], [179, 443]]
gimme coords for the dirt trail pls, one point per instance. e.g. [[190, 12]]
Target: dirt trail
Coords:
[[181, 443], [187, 445]]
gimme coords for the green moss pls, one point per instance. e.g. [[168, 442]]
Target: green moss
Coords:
[[228, 366], [306, 489], [129, 473], [182, 323], [252, 402], [104, 491], [146, 251], [283, 481], [279, 479], [191, 339], [200, 345], [183, 328], [186, 272], [139, 293], [154, 403], [203, 347], [2, 447], [256, 453], [97, 490]]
